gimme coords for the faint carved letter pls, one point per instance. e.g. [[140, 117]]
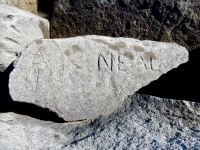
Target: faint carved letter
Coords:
[[102, 58]]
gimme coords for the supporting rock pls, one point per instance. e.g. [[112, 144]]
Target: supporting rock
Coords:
[[143, 122]]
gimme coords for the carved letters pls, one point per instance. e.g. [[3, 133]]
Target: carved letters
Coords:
[[100, 58], [119, 63], [111, 64]]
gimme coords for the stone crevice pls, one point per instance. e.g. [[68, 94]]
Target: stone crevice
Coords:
[[180, 83], [45, 8]]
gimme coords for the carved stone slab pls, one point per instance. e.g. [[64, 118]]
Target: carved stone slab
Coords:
[[88, 76], [17, 29]]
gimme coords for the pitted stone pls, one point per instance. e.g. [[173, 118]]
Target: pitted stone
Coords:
[[89, 76]]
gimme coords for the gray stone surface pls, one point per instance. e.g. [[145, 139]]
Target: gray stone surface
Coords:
[[143, 122], [28, 5], [17, 29], [88, 76], [25, 133]]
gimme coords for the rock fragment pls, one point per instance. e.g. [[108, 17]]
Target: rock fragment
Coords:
[[89, 76], [17, 29]]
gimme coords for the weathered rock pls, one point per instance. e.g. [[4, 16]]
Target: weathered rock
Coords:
[[85, 77], [144, 122], [28, 5], [169, 21], [17, 29]]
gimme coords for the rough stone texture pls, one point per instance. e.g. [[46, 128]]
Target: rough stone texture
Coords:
[[168, 20], [144, 122], [17, 29], [88, 76], [28, 5]]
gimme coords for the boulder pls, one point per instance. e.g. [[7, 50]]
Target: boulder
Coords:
[[89, 76], [17, 29], [143, 122], [28, 5], [168, 21]]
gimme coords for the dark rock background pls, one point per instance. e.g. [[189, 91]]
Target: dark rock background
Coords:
[[170, 20]]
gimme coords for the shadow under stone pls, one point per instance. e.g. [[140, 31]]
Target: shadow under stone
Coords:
[[181, 83], [29, 110]]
